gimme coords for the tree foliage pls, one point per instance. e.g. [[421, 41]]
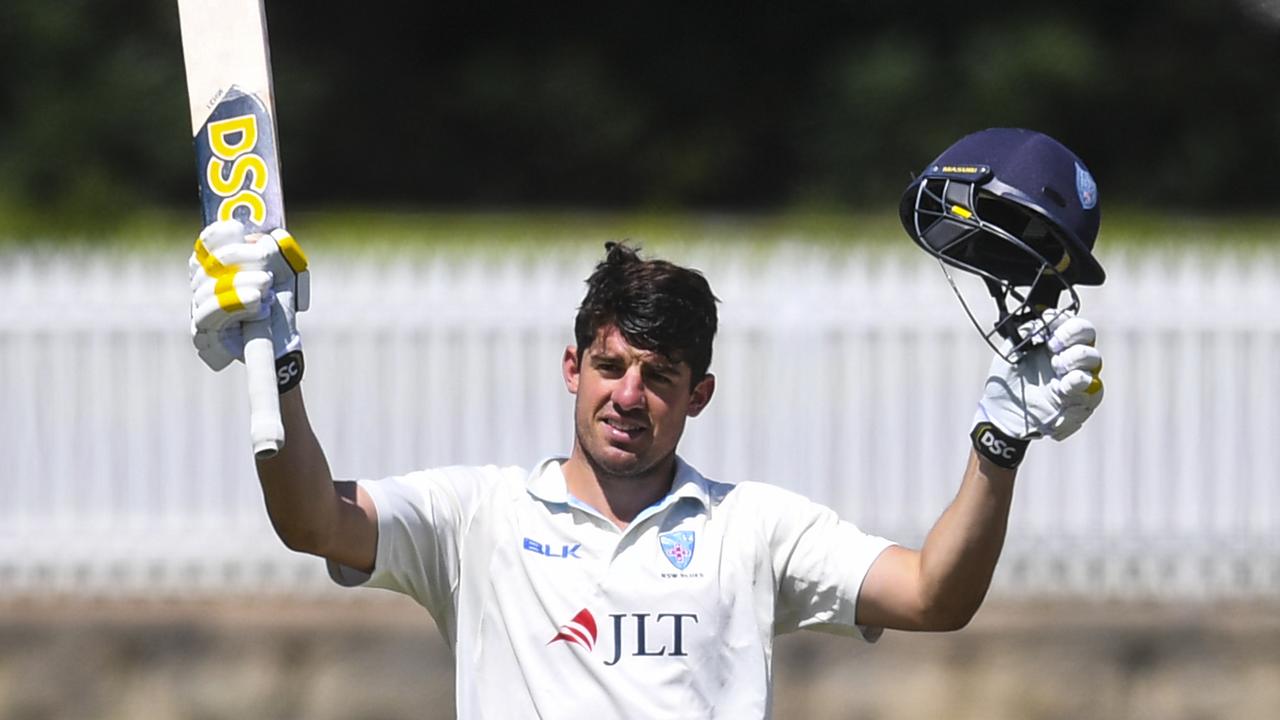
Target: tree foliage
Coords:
[[691, 105]]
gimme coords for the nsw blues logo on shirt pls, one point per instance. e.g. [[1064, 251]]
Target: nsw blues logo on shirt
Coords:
[[678, 547]]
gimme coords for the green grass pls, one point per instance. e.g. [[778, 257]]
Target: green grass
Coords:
[[1143, 229], [545, 230]]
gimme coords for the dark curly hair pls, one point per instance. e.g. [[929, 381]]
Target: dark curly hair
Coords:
[[657, 305]]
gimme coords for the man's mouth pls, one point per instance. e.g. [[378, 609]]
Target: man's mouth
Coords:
[[624, 429]]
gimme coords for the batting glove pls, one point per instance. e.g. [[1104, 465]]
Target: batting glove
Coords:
[[1052, 389], [236, 278]]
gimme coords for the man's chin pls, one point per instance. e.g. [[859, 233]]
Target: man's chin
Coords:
[[618, 462]]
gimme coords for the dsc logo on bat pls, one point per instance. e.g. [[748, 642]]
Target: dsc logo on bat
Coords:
[[233, 163]]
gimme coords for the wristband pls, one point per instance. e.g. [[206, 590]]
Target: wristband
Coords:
[[289, 371], [997, 447]]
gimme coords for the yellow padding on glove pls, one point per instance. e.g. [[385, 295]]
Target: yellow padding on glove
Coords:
[[291, 251], [224, 289], [1094, 386]]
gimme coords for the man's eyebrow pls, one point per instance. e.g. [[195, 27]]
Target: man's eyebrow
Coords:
[[663, 365], [655, 362]]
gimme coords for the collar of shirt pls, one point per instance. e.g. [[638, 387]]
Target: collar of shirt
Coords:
[[546, 482]]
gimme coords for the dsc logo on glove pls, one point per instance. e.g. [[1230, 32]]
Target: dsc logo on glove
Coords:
[[289, 371], [997, 447]]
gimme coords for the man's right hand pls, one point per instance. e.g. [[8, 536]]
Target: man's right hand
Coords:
[[236, 278]]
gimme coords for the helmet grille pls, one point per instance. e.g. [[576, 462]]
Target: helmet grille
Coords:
[[982, 232]]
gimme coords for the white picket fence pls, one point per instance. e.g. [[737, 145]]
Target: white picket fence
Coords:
[[848, 375]]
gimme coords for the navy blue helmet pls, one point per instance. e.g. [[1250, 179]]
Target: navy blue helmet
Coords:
[[1016, 208]]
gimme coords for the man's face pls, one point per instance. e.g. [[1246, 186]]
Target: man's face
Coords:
[[631, 404]]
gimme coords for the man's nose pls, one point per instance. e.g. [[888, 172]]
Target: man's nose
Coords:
[[628, 394]]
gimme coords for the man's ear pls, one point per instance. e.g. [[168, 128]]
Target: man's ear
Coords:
[[569, 366], [702, 392]]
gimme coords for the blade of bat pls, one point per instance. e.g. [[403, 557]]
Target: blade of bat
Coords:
[[224, 45]]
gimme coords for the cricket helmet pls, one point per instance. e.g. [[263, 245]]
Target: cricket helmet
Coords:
[[1016, 208]]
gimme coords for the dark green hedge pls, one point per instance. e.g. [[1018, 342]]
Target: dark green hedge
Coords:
[[1173, 103]]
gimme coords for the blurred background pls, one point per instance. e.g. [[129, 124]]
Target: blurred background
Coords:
[[453, 172]]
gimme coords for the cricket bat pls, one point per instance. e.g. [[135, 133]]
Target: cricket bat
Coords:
[[224, 44]]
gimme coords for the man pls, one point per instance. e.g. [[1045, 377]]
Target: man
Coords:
[[618, 582]]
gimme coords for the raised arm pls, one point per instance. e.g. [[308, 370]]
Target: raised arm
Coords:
[[309, 511], [1050, 392], [237, 278], [941, 586]]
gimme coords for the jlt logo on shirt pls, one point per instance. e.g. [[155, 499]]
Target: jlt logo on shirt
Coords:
[[554, 551], [634, 634]]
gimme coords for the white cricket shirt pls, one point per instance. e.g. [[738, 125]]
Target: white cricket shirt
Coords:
[[553, 612]]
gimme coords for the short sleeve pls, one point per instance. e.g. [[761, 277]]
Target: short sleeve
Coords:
[[421, 519], [820, 562]]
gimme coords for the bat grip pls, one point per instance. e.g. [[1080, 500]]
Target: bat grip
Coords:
[[265, 426]]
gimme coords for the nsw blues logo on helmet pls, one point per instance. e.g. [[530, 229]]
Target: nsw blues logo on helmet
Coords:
[[678, 547], [1086, 188]]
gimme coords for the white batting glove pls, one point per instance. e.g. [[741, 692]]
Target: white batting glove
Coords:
[[237, 278], [1050, 392]]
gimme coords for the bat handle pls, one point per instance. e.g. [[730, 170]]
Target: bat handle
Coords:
[[265, 425]]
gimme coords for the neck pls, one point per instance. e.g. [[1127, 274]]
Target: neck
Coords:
[[618, 498]]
